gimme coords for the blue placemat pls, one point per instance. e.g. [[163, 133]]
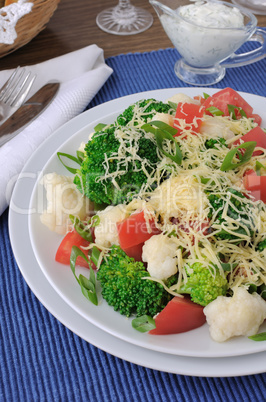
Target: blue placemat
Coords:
[[40, 359]]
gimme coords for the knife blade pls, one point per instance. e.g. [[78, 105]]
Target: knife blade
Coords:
[[28, 112]]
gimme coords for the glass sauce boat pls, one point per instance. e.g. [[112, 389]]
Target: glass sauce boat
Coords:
[[207, 50]]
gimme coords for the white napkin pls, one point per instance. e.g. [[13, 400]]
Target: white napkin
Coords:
[[81, 74]]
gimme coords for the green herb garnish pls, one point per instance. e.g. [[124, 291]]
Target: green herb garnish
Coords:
[[232, 113], [258, 337], [77, 160], [215, 111], [95, 255], [259, 166], [143, 323], [244, 157], [163, 132], [87, 285], [81, 229], [173, 105], [99, 127]]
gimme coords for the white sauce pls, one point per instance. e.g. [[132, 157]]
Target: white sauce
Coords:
[[212, 15], [206, 33]]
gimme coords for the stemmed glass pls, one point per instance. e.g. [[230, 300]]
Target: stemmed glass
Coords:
[[124, 19]]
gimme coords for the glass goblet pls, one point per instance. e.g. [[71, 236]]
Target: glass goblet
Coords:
[[124, 19]]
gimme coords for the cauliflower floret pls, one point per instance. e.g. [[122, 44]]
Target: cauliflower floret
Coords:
[[182, 98], [163, 263], [83, 144], [106, 233], [179, 197], [82, 147], [217, 127], [241, 314], [63, 199]]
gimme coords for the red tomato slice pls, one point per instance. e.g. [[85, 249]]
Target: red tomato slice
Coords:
[[134, 230], [199, 98], [257, 118], [64, 250], [256, 134], [250, 172], [135, 251], [191, 114], [228, 96], [256, 185], [180, 315]]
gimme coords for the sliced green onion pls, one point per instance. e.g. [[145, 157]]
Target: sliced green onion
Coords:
[[227, 266], [258, 337], [162, 133], [95, 255], [100, 127], [72, 158], [232, 113], [204, 180], [87, 285], [164, 126], [95, 221], [215, 111], [259, 166], [205, 96], [244, 157], [81, 229], [173, 105], [143, 323], [80, 156]]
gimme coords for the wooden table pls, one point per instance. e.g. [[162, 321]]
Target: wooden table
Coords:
[[73, 26]]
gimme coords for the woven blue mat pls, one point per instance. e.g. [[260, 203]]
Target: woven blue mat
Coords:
[[40, 359]]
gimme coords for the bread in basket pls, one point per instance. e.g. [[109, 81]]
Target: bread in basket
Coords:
[[30, 24]]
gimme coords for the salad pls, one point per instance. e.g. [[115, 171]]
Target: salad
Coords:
[[166, 209]]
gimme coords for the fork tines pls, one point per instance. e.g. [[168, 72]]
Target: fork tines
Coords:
[[17, 87]]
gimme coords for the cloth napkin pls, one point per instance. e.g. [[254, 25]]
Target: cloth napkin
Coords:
[[81, 74]]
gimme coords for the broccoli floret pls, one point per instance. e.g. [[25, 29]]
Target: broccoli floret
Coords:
[[147, 108], [107, 178], [204, 284], [237, 210], [123, 287], [211, 143]]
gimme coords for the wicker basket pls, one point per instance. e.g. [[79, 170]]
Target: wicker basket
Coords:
[[31, 24]]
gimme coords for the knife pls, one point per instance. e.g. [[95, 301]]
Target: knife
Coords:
[[29, 111]]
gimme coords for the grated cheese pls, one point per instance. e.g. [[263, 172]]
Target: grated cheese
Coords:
[[180, 204]]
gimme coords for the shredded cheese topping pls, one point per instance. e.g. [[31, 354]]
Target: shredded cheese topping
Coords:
[[180, 202]]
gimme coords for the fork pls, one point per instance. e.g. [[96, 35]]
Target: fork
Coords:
[[14, 92]]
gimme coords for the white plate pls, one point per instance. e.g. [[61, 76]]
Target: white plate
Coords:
[[18, 226], [196, 343]]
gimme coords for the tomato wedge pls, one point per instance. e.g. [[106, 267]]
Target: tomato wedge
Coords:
[[190, 115], [228, 96], [64, 250], [250, 172], [257, 119], [180, 315], [256, 185], [135, 251], [134, 230], [256, 134]]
